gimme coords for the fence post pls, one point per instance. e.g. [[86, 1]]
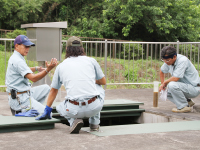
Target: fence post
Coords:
[[5, 58], [105, 61], [178, 47], [155, 93]]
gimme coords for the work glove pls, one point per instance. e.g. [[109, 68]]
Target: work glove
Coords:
[[30, 113], [46, 114]]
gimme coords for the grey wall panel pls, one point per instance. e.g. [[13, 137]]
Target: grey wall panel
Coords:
[[60, 54], [31, 33], [48, 44]]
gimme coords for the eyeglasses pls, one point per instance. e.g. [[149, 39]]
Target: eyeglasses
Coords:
[[28, 46], [165, 60], [25, 46]]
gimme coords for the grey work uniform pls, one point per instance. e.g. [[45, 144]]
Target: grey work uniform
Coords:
[[15, 79], [186, 86], [79, 74]]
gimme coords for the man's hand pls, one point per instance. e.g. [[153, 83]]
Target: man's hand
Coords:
[[162, 87], [52, 64], [46, 114], [40, 69], [40, 75]]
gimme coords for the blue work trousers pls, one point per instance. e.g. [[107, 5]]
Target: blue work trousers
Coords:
[[36, 96], [179, 92], [91, 111]]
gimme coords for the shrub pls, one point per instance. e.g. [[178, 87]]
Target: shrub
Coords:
[[2, 47], [137, 51], [15, 33], [188, 51]]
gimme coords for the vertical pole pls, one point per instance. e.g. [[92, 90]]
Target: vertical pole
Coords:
[[5, 58], [105, 61], [178, 47], [191, 53], [155, 94], [198, 55]]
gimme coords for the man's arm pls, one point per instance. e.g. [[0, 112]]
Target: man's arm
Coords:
[[170, 79], [51, 97], [47, 111], [36, 77], [32, 69], [101, 81], [162, 76], [165, 82], [40, 75]]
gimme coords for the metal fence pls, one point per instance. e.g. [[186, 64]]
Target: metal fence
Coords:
[[123, 63]]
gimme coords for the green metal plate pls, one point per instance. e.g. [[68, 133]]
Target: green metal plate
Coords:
[[146, 128], [122, 111], [112, 103], [13, 124], [113, 108], [120, 102]]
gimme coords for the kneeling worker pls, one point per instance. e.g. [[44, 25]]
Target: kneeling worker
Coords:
[[184, 81], [21, 96], [82, 77]]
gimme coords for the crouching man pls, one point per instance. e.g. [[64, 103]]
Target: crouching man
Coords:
[[20, 94], [184, 81], [82, 78]]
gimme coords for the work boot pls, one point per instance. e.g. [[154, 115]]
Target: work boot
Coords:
[[190, 102], [183, 110], [94, 127], [76, 126]]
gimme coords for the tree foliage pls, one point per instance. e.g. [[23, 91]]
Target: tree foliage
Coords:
[[141, 20], [155, 20]]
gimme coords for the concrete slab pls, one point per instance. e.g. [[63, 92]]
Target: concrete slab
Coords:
[[146, 128], [59, 137]]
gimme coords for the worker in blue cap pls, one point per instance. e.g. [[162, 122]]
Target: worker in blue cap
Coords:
[[82, 78], [22, 97]]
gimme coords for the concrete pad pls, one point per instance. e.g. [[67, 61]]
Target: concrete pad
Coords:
[[59, 137], [146, 128]]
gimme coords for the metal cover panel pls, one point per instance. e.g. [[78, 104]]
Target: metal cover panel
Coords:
[[110, 103], [121, 102], [122, 111], [48, 44], [46, 25], [146, 128], [31, 33], [15, 124], [27, 128], [6, 121]]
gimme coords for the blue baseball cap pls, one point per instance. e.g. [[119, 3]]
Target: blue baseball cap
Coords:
[[22, 39]]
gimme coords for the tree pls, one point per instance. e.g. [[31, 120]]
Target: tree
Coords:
[[136, 20], [13, 13], [154, 20]]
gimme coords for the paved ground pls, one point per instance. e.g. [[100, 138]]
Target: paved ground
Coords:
[[59, 138]]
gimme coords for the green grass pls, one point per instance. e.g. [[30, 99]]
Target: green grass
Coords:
[[125, 71], [118, 71]]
